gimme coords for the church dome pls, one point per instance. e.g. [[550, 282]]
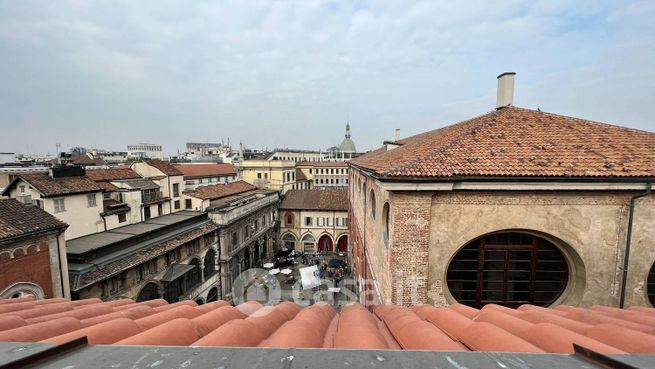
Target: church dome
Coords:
[[347, 145]]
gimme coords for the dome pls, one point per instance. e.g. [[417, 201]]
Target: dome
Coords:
[[347, 145]]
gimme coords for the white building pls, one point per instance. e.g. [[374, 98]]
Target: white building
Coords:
[[145, 151]]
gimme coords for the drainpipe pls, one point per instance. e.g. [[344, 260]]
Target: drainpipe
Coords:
[[626, 258], [61, 267]]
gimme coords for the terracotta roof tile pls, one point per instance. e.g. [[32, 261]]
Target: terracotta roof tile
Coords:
[[315, 200], [191, 171], [516, 142], [17, 219], [213, 192], [165, 167], [423, 327], [111, 174], [50, 186]]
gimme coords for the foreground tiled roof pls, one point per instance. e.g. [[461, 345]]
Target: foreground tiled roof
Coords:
[[456, 328], [111, 174], [217, 191], [50, 186], [164, 166], [17, 219], [516, 142], [315, 200], [191, 171]]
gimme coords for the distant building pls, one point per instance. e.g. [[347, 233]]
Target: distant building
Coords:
[[347, 145], [66, 193], [201, 174], [205, 151], [277, 175], [325, 174], [145, 151], [173, 257], [314, 220], [32, 252], [246, 217], [170, 181]]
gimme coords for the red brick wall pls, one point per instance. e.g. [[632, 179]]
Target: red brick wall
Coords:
[[32, 267], [410, 248]]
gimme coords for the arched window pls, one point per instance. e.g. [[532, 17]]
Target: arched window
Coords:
[[289, 241], [372, 197], [193, 276], [385, 225], [210, 263], [212, 295], [309, 243], [510, 269], [650, 285], [149, 292]]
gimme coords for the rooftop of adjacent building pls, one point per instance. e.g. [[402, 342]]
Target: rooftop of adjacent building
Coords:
[[21, 220], [503, 334], [194, 170], [319, 200], [219, 190]]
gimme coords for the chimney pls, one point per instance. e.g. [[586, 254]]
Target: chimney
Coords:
[[505, 95], [397, 137]]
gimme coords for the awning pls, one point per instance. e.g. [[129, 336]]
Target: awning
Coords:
[[176, 271]]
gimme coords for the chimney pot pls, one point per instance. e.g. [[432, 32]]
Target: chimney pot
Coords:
[[397, 136], [505, 94]]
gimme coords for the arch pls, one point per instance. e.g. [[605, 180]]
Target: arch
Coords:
[[325, 243], [373, 204], [650, 285], [23, 289], [342, 243], [309, 243], [289, 240], [149, 292], [385, 224], [509, 268], [194, 276], [209, 263], [212, 295], [200, 301]]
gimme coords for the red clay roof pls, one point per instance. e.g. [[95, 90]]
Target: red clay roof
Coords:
[[17, 219], [286, 325], [191, 171], [165, 167], [517, 142], [315, 200], [111, 174], [213, 192], [50, 186]]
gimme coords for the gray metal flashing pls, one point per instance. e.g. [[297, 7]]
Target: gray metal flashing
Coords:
[[226, 357]]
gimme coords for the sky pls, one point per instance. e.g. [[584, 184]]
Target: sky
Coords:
[[104, 74]]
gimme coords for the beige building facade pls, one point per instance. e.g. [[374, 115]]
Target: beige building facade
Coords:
[[279, 175]]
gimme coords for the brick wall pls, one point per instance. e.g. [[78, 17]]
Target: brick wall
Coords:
[[30, 263]]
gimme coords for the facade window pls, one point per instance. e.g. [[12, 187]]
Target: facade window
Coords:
[[310, 170], [177, 204], [372, 204], [288, 219], [60, 207], [508, 269], [22, 189], [122, 218], [235, 239], [176, 190], [146, 213], [320, 221], [308, 221], [259, 176], [385, 219], [160, 210], [187, 204], [91, 201]]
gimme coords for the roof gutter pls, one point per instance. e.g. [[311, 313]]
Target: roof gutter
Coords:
[[626, 258]]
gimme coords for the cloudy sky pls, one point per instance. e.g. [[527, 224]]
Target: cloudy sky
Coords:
[[290, 73]]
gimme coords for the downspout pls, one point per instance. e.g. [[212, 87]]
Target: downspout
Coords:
[[626, 258], [61, 270]]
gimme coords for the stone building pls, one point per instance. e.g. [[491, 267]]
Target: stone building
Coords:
[[247, 225], [279, 175], [32, 252], [314, 221], [203, 174], [514, 206], [324, 174], [173, 257]]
